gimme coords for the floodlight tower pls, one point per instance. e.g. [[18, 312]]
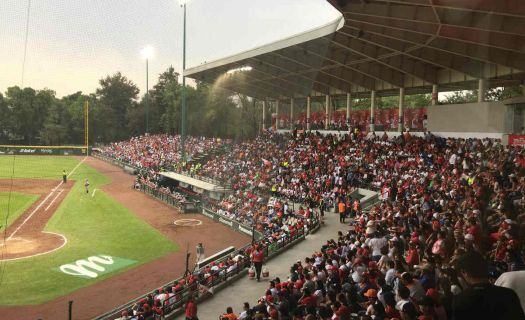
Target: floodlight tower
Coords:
[[183, 94], [147, 53]]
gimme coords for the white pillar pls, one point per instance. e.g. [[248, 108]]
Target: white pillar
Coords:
[[277, 114], [434, 94], [291, 114], [327, 112], [372, 110], [308, 112], [401, 106], [348, 107], [264, 116], [482, 87]]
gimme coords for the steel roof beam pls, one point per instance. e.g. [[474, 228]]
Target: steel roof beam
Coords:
[[506, 7], [440, 58], [480, 52], [426, 17]]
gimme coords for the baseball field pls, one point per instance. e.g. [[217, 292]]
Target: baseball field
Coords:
[[52, 225]]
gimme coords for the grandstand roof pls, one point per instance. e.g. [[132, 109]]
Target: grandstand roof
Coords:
[[383, 45], [194, 182]]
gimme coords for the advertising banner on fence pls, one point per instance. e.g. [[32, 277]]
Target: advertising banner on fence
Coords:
[[230, 223], [517, 140], [36, 150]]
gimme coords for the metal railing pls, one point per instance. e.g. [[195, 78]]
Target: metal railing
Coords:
[[183, 206], [203, 287], [114, 161]]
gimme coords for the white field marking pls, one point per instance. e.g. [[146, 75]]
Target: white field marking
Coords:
[[53, 201], [187, 222], [41, 203], [93, 194], [64, 242], [16, 238]]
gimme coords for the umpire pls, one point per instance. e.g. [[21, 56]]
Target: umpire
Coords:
[[64, 176]]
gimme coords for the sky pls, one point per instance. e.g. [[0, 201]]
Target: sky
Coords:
[[74, 43]]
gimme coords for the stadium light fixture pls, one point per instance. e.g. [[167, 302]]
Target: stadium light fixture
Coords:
[[147, 52], [239, 69]]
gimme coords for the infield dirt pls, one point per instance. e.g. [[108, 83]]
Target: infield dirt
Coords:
[[25, 236]]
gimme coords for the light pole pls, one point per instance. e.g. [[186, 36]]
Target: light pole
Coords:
[[147, 53], [183, 94]]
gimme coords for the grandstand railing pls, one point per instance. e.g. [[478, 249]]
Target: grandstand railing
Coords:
[[223, 184], [169, 199], [114, 161]]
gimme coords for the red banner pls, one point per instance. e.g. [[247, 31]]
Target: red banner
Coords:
[[389, 118], [517, 140]]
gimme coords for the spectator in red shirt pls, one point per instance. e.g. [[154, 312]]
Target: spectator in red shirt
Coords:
[[191, 309]]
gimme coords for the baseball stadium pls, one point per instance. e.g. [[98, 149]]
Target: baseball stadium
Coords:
[[281, 160]]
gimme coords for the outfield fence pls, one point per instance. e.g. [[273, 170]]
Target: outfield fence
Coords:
[[43, 150]]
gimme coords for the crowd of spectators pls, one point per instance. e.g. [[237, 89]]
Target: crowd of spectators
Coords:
[[158, 151], [444, 203], [448, 206]]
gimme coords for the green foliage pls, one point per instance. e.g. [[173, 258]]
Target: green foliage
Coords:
[[117, 97], [117, 112]]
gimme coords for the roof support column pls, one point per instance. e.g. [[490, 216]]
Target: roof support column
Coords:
[[291, 114], [348, 107], [277, 114], [327, 112], [372, 109], [434, 94], [264, 115], [401, 112], [482, 88], [308, 112]]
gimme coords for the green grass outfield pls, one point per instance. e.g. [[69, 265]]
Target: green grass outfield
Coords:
[[12, 205], [92, 225]]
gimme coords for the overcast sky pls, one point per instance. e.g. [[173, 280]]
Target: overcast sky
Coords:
[[74, 43]]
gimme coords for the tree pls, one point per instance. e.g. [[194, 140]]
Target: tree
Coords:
[[502, 93], [465, 96], [117, 95], [56, 127], [29, 109], [164, 104], [5, 120]]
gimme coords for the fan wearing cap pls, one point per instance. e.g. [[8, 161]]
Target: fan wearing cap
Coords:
[[371, 294], [482, 300]]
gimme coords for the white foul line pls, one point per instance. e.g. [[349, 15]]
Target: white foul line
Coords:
[[52, 201], [93, 194], [41, 203]]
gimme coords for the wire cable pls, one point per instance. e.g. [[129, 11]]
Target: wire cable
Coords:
[[25, 42]]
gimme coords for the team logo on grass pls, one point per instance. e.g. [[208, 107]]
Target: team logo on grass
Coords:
[[94, 266]]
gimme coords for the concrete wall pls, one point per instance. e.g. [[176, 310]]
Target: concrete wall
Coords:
[[485, 117]]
